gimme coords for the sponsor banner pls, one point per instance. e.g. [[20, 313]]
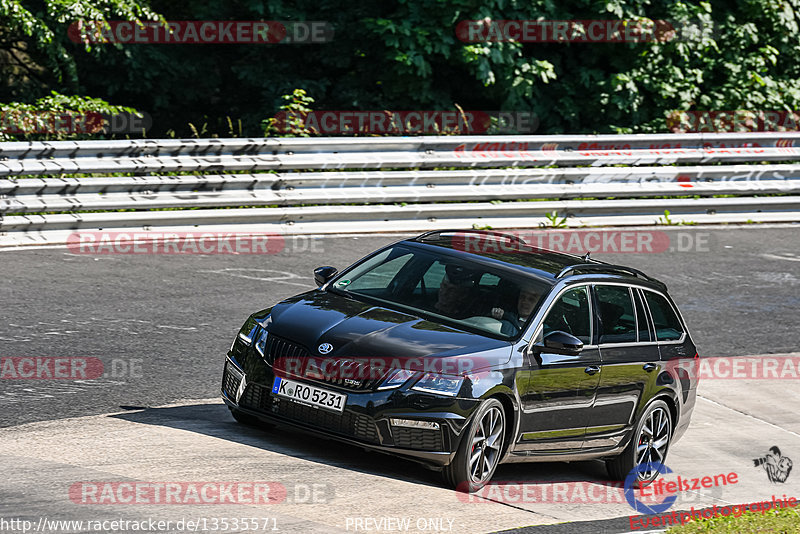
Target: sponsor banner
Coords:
[[201, 32], [516, 148], [519, 150]]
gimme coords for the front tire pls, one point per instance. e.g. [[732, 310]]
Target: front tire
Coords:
[[479, 452], [649, 445]]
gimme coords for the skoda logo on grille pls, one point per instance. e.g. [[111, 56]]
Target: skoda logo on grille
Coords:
[[325, 348]]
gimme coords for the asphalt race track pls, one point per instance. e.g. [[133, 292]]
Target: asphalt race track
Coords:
[[160, 325]]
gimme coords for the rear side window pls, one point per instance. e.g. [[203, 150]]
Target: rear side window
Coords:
[[644, 331], [668, 327], [617, 318]]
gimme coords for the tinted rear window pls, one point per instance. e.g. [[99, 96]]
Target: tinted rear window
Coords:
[[668, 326], [617, 318]]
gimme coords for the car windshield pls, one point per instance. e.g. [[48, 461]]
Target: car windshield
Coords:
[[447, 289]]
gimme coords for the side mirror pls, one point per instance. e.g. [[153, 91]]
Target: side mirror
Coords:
[[323, 274], [560, 342]]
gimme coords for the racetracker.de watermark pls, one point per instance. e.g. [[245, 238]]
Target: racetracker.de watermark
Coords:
[[153, 242], [582, 241], [68, 368], [351, 122], [201, 32], [733, 121], [160, 493], [149, 524], [25, 122], [566, 31], [683, 490], [738, 367], [375, 368]]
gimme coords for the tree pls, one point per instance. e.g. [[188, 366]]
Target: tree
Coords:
[[406, 55], [37, 61]]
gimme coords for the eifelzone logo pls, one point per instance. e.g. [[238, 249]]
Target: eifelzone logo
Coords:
[[777, 467]]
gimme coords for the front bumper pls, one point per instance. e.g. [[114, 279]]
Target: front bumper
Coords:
[[365, 419]]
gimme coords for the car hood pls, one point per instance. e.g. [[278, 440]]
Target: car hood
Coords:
[[358, 329]]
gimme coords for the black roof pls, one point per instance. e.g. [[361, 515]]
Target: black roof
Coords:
[[511, 250]]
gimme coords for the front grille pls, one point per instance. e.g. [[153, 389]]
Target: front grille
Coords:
[[354, 375], [349, 374], [347, 423], [230, 382], [417, 438], [278, 347]]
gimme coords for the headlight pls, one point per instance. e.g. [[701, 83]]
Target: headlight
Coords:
[[261, 340], [439, 384], [396, 378], [248, 331]]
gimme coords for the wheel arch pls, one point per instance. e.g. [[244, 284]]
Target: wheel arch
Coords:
[[671, 404], [510, 411]]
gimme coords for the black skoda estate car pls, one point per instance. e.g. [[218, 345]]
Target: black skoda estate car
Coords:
[[462, 360]]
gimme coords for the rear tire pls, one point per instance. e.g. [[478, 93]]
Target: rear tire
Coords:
[[649, 444], [479, 452]]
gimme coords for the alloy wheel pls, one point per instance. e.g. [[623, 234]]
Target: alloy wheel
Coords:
[[651, 448], [486, 445]]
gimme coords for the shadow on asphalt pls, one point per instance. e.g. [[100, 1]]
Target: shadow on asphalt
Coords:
[[215, 420]]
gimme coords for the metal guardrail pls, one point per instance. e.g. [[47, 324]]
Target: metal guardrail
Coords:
[[365, 184]]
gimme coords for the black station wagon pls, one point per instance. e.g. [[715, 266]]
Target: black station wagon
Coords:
[[461, 360]]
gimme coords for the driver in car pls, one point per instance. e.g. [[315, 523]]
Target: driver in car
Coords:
[[455, 292], [513, 321]]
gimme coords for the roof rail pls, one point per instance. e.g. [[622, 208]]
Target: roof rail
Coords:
[[608, 268], [513, 237]]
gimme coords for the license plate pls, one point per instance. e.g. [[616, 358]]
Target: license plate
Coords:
[[308, 394]]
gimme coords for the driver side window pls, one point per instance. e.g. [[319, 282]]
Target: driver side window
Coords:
[[570, 314]]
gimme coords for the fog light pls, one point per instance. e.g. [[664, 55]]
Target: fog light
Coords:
[[411, 423]]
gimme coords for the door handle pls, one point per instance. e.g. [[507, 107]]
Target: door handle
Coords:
[[591, 370], [649, 367]]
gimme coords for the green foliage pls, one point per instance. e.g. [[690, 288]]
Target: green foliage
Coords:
[[780, 520], [17, 116], [407, 56], [34, 35], [296, 104], [665, 220], [555, 221]]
